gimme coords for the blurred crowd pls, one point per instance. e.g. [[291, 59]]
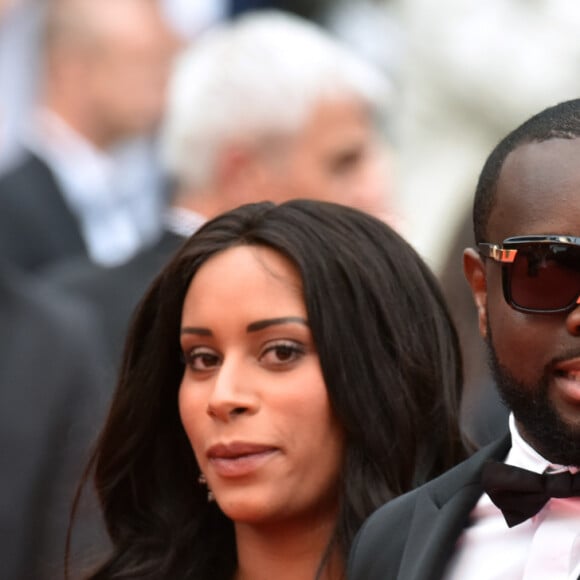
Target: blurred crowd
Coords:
[[125, 124]]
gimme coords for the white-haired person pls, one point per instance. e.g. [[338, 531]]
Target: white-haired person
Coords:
[[270, 106]]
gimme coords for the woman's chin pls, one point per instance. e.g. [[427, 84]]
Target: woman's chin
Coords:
[[243, 508]]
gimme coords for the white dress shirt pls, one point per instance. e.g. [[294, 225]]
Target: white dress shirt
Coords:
[[182, 222], [545, 547], [117, 216]]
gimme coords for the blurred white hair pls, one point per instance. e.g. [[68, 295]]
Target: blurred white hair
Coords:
[[259, 76]]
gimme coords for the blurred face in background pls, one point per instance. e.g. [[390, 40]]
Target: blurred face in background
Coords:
[[129, 67], [107, 66], [336, 156]]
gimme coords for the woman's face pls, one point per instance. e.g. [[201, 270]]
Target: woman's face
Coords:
[[252, 399]]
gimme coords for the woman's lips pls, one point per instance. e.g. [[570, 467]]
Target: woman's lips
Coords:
[[239, 459]]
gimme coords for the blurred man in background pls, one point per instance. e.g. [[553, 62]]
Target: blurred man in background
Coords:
[[271, 107], [105, 69]]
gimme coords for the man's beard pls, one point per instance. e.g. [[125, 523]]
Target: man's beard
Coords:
[[550, 435]]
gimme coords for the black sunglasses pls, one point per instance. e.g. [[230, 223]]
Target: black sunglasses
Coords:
[[539, 273]]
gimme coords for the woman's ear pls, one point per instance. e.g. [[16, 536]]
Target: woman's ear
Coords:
[[474, 270]]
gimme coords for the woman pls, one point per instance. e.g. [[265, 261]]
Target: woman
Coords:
[[291, 369]]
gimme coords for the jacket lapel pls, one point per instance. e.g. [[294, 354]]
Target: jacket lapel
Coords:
[[442, 512]]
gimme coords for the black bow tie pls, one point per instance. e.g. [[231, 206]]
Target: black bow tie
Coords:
[[521, 494]]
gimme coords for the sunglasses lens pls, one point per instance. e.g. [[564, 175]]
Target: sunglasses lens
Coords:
[[545, 276]]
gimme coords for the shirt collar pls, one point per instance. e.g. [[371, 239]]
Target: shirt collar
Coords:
[[75, 160], [182, 222], [50, 128], [523, 455]]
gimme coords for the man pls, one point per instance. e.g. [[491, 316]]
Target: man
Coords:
[[105, 70], [525, 279], [271, 107], [266, 107]]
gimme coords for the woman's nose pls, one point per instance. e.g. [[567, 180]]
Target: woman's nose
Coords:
[[233, 392]]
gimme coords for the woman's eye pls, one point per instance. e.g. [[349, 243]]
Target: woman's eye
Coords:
[[201, 359], [282, 352]]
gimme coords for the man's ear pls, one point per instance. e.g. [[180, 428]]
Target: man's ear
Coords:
[[241, 174], [233, 164], [474, 270]]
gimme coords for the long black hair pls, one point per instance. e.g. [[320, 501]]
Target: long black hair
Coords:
[[390, 360]]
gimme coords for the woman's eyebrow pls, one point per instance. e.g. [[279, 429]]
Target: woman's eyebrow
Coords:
[[261, 324], [196, 330]]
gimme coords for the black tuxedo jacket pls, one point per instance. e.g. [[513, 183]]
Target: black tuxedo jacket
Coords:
[[37, 228], [413, 537]]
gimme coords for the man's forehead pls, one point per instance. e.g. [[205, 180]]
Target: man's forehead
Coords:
[[530, 160], [538, 188]]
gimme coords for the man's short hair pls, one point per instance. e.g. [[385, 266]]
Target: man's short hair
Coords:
[[562, 121]]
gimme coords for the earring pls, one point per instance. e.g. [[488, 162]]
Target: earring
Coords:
[[202, 480]]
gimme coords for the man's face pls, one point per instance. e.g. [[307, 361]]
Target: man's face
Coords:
[[127, 73], [535, 357], [336, 156]]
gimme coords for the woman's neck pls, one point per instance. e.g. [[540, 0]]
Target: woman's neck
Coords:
[[290, 552]]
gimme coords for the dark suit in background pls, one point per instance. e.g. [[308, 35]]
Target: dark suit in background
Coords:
[[51, 407], [37, 228], [113, 293], [413, 537]]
